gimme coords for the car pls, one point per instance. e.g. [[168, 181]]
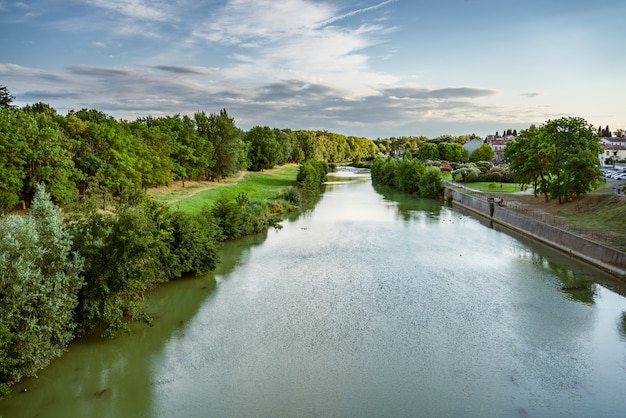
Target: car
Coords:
[[619, 176]]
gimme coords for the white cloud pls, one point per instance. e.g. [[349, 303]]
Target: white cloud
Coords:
[[137, 9], [293, 38]]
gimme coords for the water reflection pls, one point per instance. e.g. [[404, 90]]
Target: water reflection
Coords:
[[622, 325]]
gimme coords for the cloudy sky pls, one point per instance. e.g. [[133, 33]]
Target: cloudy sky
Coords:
[[373, 68]]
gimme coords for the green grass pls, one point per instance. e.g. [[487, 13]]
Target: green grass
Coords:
[[257, 185], [495, 187]]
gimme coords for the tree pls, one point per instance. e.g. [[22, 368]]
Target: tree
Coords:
[[408, 174], [307, 144], [229, 152], [428, 151], [39, 284], [194, 244], [528, 163], [431, 183], [48, 155], [12, 162], [125, 254], [285, 141], [264, 151], [6, 98], [559, 158], [483, 153], [452, 152], [575, 168]]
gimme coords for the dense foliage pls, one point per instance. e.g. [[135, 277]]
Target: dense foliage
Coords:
[[408, 175], [89, 154], [559, 158], [311, 177], [39, 285]]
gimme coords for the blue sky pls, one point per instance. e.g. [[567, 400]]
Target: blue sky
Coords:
[[358, 67]]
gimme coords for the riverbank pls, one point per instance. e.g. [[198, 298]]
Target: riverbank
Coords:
[[609, 259], [264, 185]]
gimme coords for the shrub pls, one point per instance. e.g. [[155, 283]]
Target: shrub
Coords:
[[293, 195], [431, 183]]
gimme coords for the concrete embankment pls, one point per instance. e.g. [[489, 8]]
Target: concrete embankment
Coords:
[[599, 255]]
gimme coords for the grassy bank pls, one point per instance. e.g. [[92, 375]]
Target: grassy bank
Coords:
[[600, 215], [264, 185]]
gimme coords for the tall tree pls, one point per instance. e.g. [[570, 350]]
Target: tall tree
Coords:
[[12, 161], [39, 283], [6, 98], [264, 151], [576, 167], [307, 143], [560, 158], [229, 152], [527, 164]]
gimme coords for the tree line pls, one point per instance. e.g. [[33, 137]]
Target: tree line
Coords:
[[88, 153]]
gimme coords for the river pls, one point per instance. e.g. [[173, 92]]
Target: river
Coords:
[[369, 305]]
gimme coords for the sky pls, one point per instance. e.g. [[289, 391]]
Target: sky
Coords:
[[370, 68]]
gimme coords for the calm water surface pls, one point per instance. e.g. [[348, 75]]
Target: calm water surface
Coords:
[[368, 306]]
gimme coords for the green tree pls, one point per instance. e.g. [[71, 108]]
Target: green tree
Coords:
[[431, 183], [408, 173], [6, 98], [194, 244], [229, 152], [483, 153], [559, 158], [12, 162], [264, 151], [307, 144], [286, 140], [126, 253], [527, 164], [39, 283], [428, 151], [452, 152], [575, 168], [49, 157]]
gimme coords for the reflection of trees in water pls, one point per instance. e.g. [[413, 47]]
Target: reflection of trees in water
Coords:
[[411, 207], [575, 286], [621, 326]]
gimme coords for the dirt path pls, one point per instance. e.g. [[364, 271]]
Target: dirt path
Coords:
[[175, 192]]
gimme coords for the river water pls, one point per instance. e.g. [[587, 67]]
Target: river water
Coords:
[[370, 305]]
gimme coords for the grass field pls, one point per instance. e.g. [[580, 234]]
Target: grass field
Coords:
[[264, 185], [495, 187]]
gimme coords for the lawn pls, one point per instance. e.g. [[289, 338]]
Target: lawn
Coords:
[[264, 185], [495, 187]]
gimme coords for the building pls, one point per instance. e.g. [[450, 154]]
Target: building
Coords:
[[498, 143]]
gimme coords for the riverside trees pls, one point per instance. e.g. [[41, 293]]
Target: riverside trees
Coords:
[[408, 175], [88, 153], [559, 158], [39, 284]]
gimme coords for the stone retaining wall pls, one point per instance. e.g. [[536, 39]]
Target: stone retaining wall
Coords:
[[599, 255]]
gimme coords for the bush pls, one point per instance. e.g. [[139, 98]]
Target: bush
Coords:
[[293, 195], [431, 183]]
